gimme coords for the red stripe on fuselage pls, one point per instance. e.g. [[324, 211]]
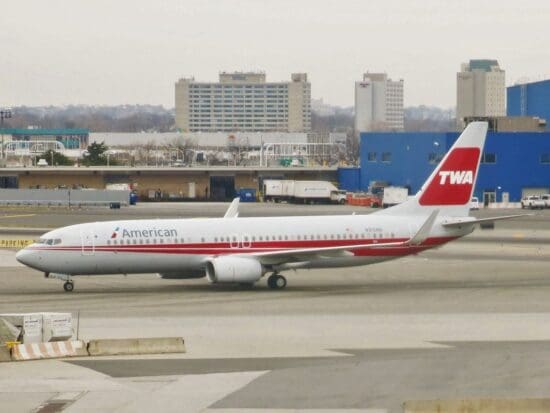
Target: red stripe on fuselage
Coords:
[[256, 247]]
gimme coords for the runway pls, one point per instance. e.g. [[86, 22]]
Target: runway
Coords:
[[471, 319]]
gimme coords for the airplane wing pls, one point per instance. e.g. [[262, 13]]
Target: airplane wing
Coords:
[[233, 210], [417, 239], [458, 222]]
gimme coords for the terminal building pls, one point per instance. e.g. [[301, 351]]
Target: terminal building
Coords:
[[244, 102], [514, 164], [529, 99]]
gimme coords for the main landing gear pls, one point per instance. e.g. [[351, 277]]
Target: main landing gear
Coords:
[[276, 281]]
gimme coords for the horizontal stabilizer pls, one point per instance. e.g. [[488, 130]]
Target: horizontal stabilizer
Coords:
[[459, 222]]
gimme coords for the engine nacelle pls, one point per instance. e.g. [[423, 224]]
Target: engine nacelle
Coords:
[[229, 269], [183, 275]]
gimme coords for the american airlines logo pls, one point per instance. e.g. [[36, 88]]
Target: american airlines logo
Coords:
[[456, 177]]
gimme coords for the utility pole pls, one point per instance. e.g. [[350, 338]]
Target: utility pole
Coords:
[[4, 114]]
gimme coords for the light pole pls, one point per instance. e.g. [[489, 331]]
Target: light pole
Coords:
[[4, 114]]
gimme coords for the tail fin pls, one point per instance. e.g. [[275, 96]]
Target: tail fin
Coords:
[[450, 186]]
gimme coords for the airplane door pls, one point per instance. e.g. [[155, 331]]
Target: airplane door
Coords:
[[88, 242]]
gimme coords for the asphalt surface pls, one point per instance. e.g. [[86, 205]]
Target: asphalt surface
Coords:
[[469, 320]]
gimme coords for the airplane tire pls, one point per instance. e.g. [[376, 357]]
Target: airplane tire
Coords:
[[276, 282], [68, 286]]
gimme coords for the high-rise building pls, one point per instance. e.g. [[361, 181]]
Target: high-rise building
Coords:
[[244, 101], [529, 99], [378, 103], [480, 90]]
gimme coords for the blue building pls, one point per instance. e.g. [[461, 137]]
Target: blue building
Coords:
[[529, 99], [513, 163]]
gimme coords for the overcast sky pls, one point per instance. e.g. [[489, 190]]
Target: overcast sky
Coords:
[[132, 51]]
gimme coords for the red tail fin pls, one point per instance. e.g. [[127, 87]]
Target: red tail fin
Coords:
[[450, 186], [453, 183]]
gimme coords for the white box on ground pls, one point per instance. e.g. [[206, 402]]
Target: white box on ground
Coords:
[[57, 327], [31, 324], [42, 327]]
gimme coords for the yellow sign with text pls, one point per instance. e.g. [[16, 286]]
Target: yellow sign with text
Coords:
[[15, 243]]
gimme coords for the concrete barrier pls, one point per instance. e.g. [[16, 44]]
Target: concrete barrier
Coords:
[[478, 406], [55, 349], [113, 347]]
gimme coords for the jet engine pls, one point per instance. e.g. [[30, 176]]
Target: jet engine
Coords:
[[227, 269], [183, 275]]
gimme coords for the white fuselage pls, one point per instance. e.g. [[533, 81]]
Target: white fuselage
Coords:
[[179, 245]]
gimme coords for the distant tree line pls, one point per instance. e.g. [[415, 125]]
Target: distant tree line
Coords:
[[137, 118]]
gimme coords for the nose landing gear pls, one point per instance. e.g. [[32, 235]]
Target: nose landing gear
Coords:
[[276, 281], [68, 286]]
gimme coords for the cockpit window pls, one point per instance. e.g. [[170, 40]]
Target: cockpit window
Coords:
[[49, 241]]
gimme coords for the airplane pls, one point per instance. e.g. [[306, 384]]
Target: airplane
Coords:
[[240, 250]]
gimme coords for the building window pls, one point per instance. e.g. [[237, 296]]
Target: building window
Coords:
[[371, 157], [386, 156], [488, 158], [545, 158]]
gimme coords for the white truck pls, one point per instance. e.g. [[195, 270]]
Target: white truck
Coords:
[[311, 192], [532, 202], [394, 195]]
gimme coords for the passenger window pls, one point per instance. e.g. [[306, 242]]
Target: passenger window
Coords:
[[215, 239], [298, 238], [115, 241], [286, 237], [261, 238], [280, 238], [337, 236], [253, 238], [108, 242], [161, 241]]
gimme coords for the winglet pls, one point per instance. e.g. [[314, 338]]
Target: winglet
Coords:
[[424, 231], [233, 210]]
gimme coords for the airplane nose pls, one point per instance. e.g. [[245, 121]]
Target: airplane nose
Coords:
[[25, 257]]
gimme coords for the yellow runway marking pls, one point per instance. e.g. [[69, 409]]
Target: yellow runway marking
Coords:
[[17, 216]]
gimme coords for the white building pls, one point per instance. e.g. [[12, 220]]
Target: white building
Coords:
[[244, 101], [378, 103], [480, 90]]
